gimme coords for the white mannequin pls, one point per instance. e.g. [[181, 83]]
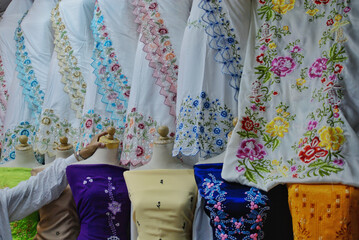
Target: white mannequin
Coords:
[[107, 155], [219, 158], [25, 156], [162, 154], [64, 150]]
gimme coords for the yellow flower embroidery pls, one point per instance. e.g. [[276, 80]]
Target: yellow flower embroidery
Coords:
[[279, 110], [301, 81], [311, 12], [272, 45], [285, 28], [277, 127], [275, 162], [338, 17], [286, 114], [283, 6], [331, 138]]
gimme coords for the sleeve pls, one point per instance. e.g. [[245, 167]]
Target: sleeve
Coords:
[[38, 191]]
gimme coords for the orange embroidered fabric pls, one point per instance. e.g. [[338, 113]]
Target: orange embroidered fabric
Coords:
[[324, 211]]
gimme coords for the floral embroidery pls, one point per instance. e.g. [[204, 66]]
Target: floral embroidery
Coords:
[[312, 151], [251, 149], [11, 138], [92, 124], [51, 128], [318, 151], [25, 228], [202, 126], [158, 46], [72, 77], [4, 95], [283, 6], [331, 138], [223, 41], [139, 134], [273, 9], [112, 84], [26, 73], [114, 207], [247, 227]]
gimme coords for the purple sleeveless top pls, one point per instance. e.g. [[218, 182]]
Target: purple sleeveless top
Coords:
[[102, 201]]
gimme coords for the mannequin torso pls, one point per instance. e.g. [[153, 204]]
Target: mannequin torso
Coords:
[[25, 157]]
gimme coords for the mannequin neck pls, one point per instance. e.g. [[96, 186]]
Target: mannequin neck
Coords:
[[64, 153], [103, 156], [24, 159], [162, 158]]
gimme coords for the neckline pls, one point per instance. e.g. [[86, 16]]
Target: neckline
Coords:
[[97, 165], [162, 170]]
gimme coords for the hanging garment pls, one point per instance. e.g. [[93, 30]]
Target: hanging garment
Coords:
[[8, 25], [70, 66], [115, 36], [209, 75], [298, 116], [34, 48], [102, 201], [324, 211], [58, 219], [24, 229], [162, 208], [154, 87]]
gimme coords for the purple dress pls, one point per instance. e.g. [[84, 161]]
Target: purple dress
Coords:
[[102, 201]]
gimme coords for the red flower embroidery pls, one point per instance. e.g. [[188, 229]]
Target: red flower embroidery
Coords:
[[172, 134], [115, 67], [262, 1], [312, 151], [267, 40], [321, 1], [163, 31], [275, 93], [247, 124], [88, 123], [153, 6], [330, 22], [338, 68], [139, 151], [141, 126], [262, 108], [259, 58]]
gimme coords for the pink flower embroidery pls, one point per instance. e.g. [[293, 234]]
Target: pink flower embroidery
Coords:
[[296, 49], [249, 148], [312, 125], [339, 162], [112, 96], [317, 68], [282, 66], [347, 9]]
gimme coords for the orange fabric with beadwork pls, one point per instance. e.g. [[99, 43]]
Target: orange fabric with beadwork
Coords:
[[324, 211]]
